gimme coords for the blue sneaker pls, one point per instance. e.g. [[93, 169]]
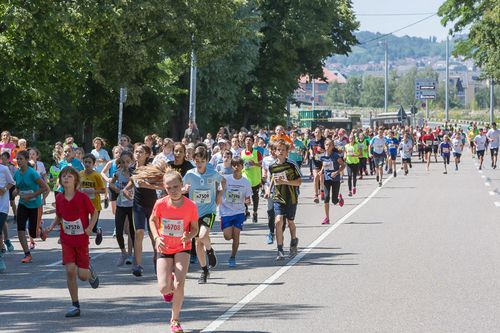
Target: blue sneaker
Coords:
[[232, 262], [73, 312], [270, 238], [138, 270], [9, 245]]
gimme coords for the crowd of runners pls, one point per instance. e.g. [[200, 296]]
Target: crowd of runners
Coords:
[[176, 190]]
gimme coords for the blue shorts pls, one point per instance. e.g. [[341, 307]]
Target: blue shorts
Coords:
[[233, 221], [141, 216], [288, 210]]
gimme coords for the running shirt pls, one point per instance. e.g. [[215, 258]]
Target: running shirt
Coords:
[[9, 148], [234, 195], [182, 168], [100, 154], [266, 163], [162, 157], [378, 144], [5, 179], [94, 181], [216, 159], [223, 170], [480, 141], [331, 165], [315, 145], [144, 197], [252, 173], [40, 168], [173, 222], [26, 183], [456, 145], [352, 153], [340, 143], [121, 183], [392, 144], [494, 136], [445, 148], [285, 194], [54, 172], [75, 218], [236, 151], [297, 153], [428, 140], [74, 163], [203, 189], [406, 148]]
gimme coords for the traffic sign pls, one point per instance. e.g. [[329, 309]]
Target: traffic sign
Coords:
[[425, 88]]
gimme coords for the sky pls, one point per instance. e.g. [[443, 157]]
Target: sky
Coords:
[[387, 24]]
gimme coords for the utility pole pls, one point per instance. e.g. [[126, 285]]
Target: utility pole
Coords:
[[386, 78], [123, 99], [446, 102], [192, 87], [492, 100], [313, 93]]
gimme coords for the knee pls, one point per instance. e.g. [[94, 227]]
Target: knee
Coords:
[[139, 234], [228, 236], [178, 285]]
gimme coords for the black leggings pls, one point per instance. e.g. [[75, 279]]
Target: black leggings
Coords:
[[120, 217], [362, 165], [332, 189], [255, 199], [372, 164], [352, 175], [25, 214]]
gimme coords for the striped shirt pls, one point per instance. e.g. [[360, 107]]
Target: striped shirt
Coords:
[[285, 194]]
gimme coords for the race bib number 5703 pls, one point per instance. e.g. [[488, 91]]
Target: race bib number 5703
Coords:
[[172, 228]]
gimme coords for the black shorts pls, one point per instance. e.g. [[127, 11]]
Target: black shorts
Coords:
[[494, 151], [316, 165], [171, 255], [24, 215], [113, 196], [428, 149], [206, 220], [480, 153], [435, 149], [406, 160]]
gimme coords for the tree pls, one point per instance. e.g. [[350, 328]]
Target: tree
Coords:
[[482, 17], [404, 93], [346, 93], [372, 93]]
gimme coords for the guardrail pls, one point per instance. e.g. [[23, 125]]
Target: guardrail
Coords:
[[479, 123]]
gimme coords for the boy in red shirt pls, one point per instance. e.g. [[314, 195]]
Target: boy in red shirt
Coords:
[[73, 209]]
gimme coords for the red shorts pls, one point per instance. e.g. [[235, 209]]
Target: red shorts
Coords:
[[78, 255]]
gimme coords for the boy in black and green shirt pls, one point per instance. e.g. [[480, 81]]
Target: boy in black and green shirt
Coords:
[[286, 180]]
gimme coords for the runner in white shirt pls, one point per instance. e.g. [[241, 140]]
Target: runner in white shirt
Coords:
[[266, 177], [236, 193], [457, 148], [493, 136], [480, 143], [6, 182], [406, 147]]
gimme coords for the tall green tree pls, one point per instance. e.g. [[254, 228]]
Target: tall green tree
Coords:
[[372, 93], [482, 18]]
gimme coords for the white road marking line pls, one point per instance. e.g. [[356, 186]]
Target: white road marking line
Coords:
[[213, 326], [483, 176], [487, 184], [491, 192], [94, 256], [497, 203], [480, 171]]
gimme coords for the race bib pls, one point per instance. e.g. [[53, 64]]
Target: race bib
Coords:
[[446, 150], [234, 196], [428, 142], [328, 165], [280, 175], [73, 228], [202, 196], [23, 193], [392, 145], [379, 147], [172, 228]]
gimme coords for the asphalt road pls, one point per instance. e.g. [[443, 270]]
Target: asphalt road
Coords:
[[419, 254]]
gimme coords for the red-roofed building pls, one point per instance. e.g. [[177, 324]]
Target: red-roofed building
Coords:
[[304, 92]]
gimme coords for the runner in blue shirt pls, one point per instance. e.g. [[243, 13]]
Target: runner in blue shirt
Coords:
[[392, 145], [202, 183], [332, 166]]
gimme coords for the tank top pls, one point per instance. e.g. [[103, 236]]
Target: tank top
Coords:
[[251, 173], [121, 183], [352, 153]]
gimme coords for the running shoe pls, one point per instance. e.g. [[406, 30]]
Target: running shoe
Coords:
[[316, 200], [445, 172], [247, 214], [32, 244], [294, 243], [349, 194], [72, 312], [377, 178], [354, 191], [254, 218], [137, 270], [341, 200], [270, 238], [380, 184], [106, 203], [456, 167], [98, 237], [410, 165], [212, 258], [203, 277], [326, 221], [280, 256], [27, 259], [2, 264], [10, 246], [168, 297], [93, 279], [390, 171], [395, 174], [175, 327], [130, 260], [4, 249], [114, 233], [193, 260], [231, 262], [121, 260], [322, 195]]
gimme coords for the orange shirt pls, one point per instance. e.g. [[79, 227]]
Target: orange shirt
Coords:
[[173, 222], [282, 137]]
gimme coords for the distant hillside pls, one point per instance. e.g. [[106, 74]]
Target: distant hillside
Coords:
[[399, 48]]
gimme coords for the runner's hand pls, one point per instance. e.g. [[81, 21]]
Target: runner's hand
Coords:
[[184, 239], [88, 231], [160, 244]]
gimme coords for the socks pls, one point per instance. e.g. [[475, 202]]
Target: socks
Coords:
[[76, 304], [280, 248], [205, 269]]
